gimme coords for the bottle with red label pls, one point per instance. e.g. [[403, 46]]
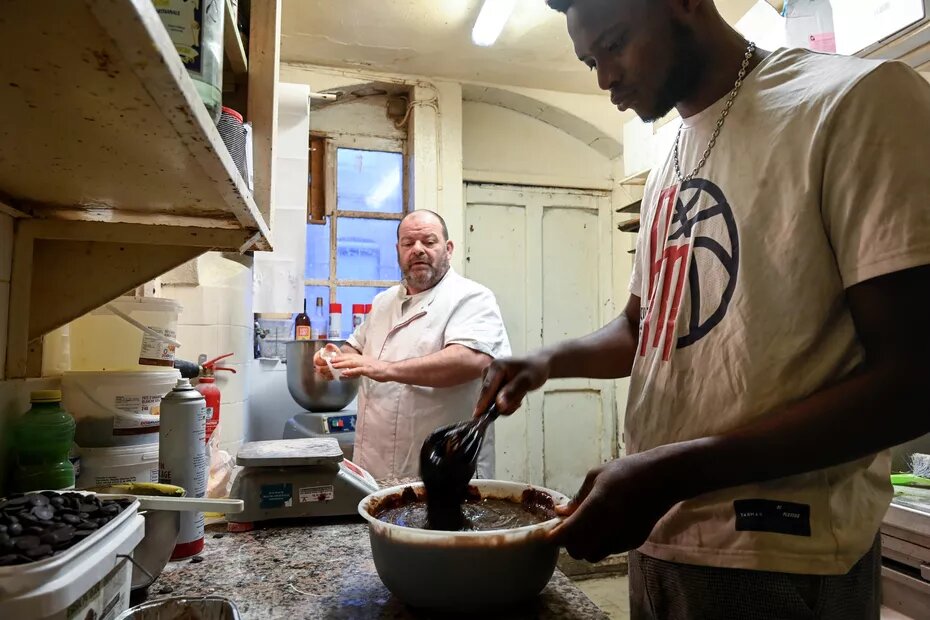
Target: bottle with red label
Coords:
[[335, 321], [302, 328], [358, 315], [206, 385]]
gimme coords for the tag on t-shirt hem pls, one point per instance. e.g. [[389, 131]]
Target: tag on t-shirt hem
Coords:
[[764, 515]]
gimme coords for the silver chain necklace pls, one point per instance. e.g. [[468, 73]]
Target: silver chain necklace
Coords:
[[750, 50]]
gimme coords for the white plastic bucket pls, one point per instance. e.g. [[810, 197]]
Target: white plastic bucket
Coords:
[[96, 553], [110, 466], [116, 408], [89, 580], [126, 333]]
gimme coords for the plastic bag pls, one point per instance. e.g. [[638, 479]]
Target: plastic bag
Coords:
[[222, 467]]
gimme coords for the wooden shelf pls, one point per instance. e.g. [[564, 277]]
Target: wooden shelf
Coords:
[[636, 179], [232, 43], [110, 162], [629, 226], [633, 207], [103, 124]]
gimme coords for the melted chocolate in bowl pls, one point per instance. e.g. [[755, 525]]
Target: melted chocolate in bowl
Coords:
[[409, 509]]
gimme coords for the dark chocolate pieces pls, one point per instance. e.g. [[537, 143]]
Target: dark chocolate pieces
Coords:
[[36, 526]]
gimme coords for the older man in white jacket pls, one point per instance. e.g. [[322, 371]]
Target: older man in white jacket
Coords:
[[421, 353]]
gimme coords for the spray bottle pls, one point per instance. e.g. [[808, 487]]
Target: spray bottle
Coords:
[[182, 458]]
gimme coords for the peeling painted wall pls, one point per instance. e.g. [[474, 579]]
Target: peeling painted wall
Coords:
[[500, 140]]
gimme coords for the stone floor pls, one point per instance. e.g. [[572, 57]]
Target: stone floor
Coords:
[[612, 595]]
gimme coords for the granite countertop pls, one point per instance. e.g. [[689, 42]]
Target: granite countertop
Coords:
[[321, 570]]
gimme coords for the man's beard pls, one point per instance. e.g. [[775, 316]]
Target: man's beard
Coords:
[[427, 278], [684, 75]]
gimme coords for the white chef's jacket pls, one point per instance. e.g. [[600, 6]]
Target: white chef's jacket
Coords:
[[394, 419]]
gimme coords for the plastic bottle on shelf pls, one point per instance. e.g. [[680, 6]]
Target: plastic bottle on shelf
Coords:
[[196, 29], [809, 24], [41, 445]]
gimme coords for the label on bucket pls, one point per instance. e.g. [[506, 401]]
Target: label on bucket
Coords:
[[108, 480], [157, 352], [106, 599], [145, 405], [135, 424]]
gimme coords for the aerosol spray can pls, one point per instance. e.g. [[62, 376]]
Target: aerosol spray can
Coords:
[[182, 458]]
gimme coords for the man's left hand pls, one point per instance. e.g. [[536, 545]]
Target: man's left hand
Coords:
[[615, 509], [354, 366]]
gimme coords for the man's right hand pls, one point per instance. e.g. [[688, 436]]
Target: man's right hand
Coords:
[[319, 364], [508, 380], [606, 354]]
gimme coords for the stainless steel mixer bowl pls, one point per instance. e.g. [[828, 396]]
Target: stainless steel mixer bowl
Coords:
[[310, 390]]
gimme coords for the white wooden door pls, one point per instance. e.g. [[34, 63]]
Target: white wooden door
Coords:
[[546, 254]]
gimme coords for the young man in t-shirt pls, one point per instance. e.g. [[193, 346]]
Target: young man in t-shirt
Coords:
[[775, 330]]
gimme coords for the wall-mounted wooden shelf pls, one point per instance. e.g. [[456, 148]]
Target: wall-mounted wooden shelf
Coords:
[[103, 123], [629, 226], [633, 207], [636, 179], [109, 160]]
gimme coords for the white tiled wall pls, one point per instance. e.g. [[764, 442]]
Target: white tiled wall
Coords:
[[217, 319], [279, 275], [271, 404]]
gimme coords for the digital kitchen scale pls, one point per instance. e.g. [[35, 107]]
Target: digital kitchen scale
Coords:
[[296, 478]]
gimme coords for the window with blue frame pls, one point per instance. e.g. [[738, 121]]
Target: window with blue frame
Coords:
[[351, 255]]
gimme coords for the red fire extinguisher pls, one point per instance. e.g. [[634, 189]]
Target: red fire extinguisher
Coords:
[[206, 385]]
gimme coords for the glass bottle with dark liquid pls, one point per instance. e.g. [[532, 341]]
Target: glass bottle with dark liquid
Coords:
[[302, 325]]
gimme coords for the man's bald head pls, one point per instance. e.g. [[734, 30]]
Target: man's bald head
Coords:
[[423, 250], [421, 214]]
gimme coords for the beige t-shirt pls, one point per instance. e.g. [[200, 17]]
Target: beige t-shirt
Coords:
[[820, 179]]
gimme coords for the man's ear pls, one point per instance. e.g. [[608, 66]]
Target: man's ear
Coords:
[[450, 246]]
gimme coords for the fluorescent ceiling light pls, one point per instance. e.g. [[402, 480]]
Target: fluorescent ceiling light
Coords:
[[491, 20]]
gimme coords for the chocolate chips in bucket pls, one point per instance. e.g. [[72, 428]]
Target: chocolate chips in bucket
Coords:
[[40, 525]]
